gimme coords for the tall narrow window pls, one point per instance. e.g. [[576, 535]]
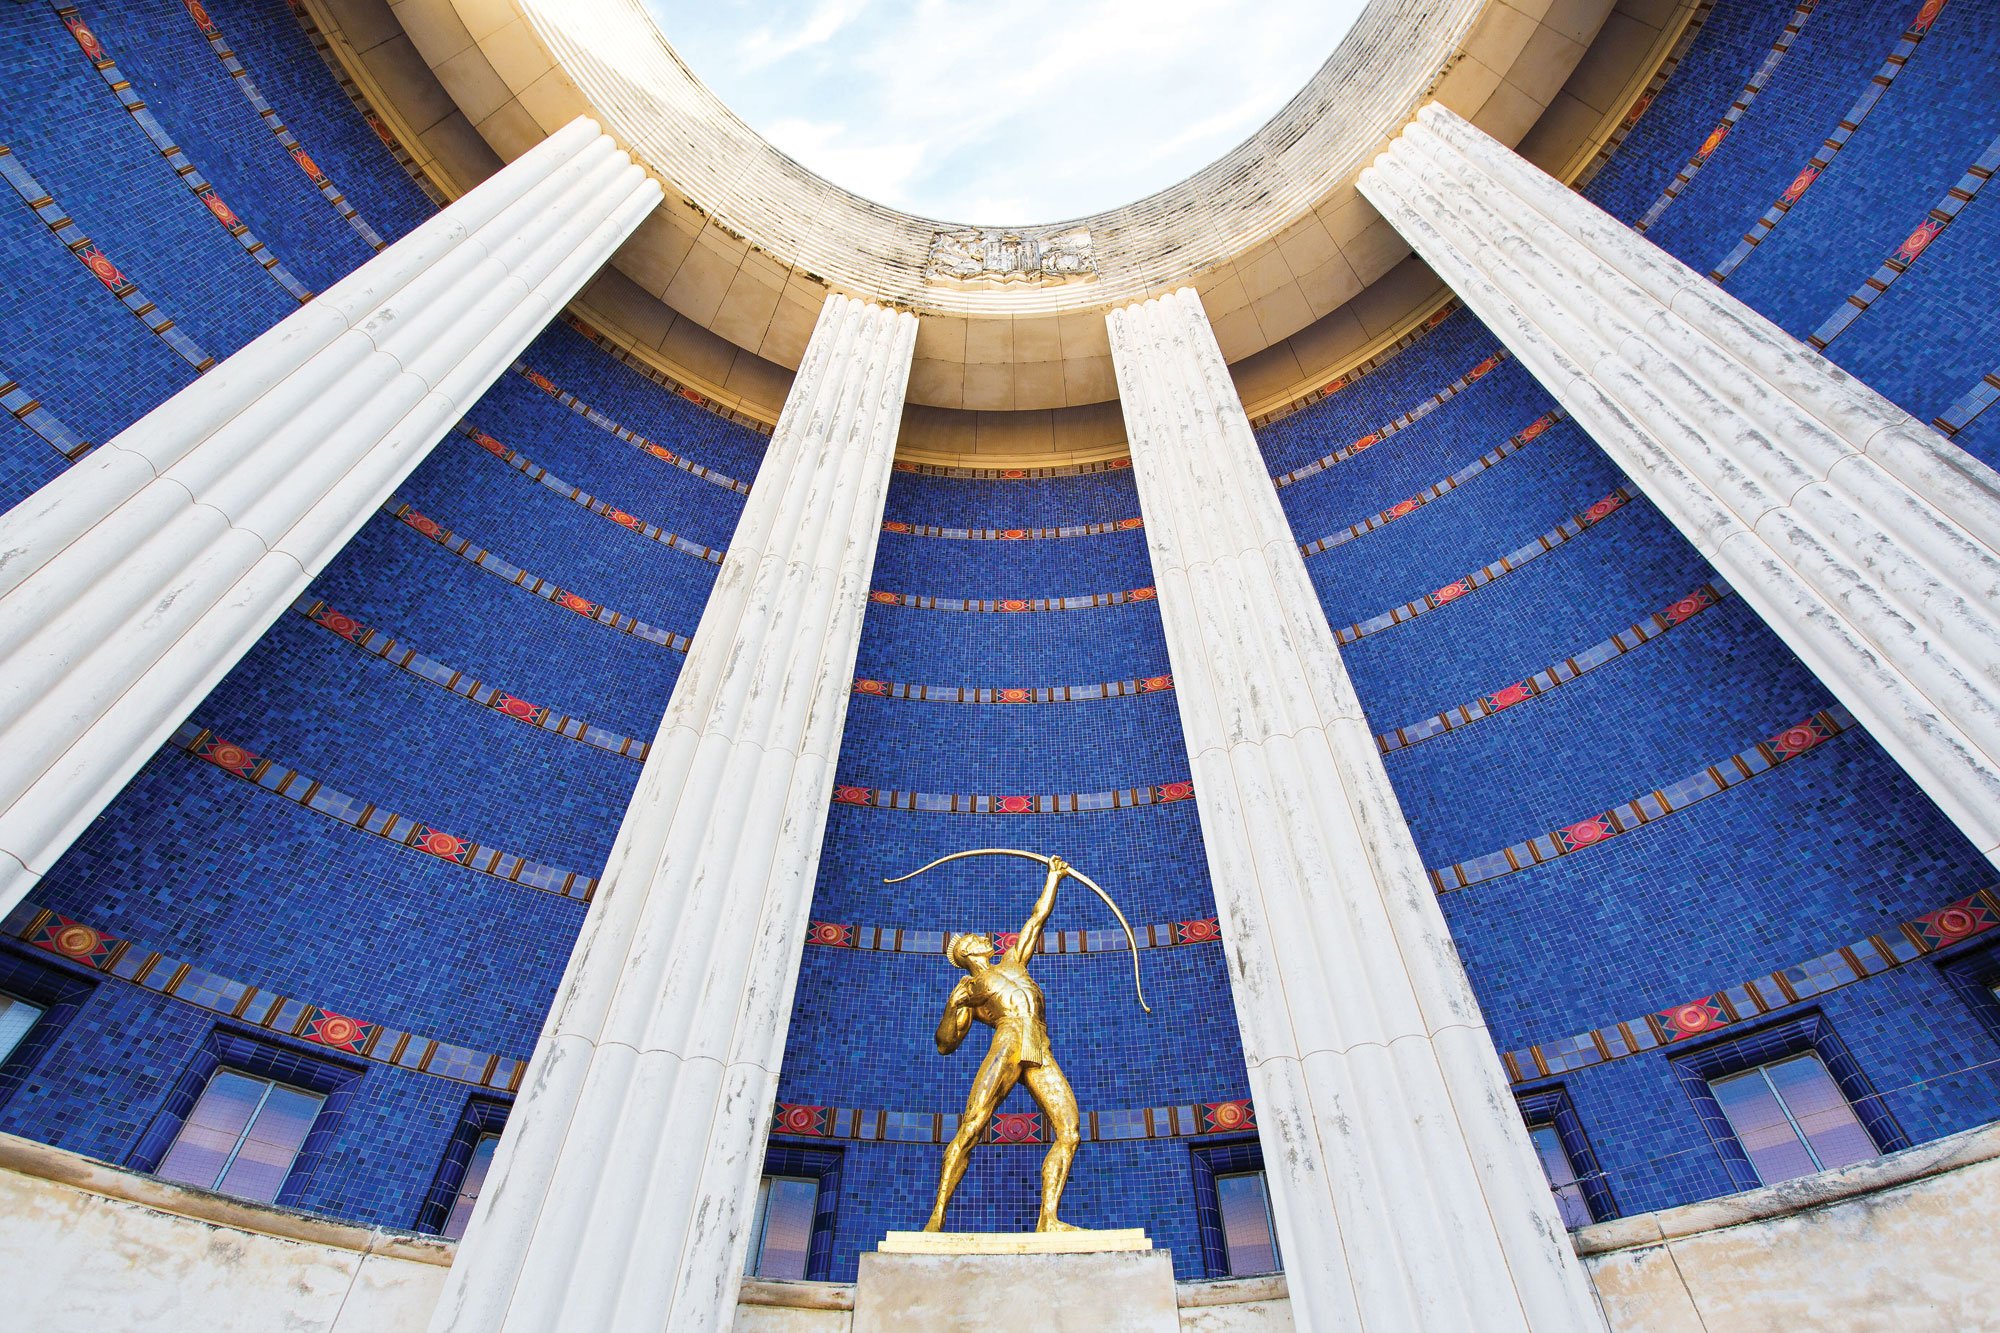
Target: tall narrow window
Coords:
[[17, 1016], [781, 1237], [242, 1137], [1248, 1236], [469, 1186], [1792, 1119], [1563, 1180]]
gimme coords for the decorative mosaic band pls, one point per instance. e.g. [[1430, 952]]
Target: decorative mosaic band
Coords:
[[576, 494], [896, 939], [400, 510], [1899, 261], [876, 1126], [1409, 418], [1022, 694], [1865, 957], [1739, 768], [1013, 534], [28, 410], [1963, 412], [286, 139], [1640, 104], [128, 97], [129, 961], [1404, 508], [1016, 473], [1374, 363], [984, 803], [299, 789], [405, 658], [1081, 602], [1906, 46], [682, 391], [1506, 564], [1730, 118], [626, 433], [99, 263], [1561, 673], [404, 157]]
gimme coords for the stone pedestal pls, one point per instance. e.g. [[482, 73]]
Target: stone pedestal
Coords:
[[959, 1282]]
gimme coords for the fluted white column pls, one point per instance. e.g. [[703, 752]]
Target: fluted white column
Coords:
[[1866, 540], [131, 583], [1406, 1193], [621, 1194]]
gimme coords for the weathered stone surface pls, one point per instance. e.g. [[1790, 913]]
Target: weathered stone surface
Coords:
[[1051, 1293]]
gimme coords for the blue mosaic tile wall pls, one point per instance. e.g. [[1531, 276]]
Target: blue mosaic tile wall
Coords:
[[863, 1022], [225, 875], [1834, 846], [1928, 339]]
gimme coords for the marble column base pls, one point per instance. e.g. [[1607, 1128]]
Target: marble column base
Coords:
[[1120, 1292]]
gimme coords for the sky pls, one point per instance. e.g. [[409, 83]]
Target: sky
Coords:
[[1008, 111]]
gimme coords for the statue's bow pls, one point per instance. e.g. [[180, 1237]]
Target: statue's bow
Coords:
[[1069, 870]]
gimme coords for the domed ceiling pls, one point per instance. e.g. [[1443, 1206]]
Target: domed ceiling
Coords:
[[720, 287]]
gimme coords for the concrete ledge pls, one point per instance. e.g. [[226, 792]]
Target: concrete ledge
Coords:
[[60, 1167]]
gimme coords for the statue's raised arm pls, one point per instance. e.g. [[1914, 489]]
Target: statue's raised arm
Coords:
[[1030, 943]]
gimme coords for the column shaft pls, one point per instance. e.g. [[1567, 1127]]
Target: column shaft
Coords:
[[621, 1193], [133, 582], [1867, 541], [1406, 1192]]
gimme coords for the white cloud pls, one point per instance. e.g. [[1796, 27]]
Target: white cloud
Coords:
[[1005, 112]]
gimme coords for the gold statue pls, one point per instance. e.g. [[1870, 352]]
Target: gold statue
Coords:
[[1004, 997]]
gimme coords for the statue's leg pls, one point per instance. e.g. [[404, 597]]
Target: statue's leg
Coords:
[[997, 1076], [1052, 1093]]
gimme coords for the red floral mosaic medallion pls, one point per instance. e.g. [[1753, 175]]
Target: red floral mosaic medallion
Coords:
[[1507, 698], [1014, 604], [1610, 504], [337, 1030], [519, 708], [429, 527], [1800, 184], [1014, 534], [881, 598], [100, 264], [623, 519], [1481, 370], [895, 527], [1398, 510], [346, 626], [854, 795], [307, 165], [1014, 695], [1534, 428], [1687, 606], [490, 445], [1006, 940], [694, 397], [73, 939], [1961, 920], [1792, 740], [223, 212], [871, 687], [1688, 1020], [1014, 805], [1143, 594], [1334, 386], [1118, 463], [1173, 791], [810, 1121], [1712, 142], [1913, 244], [200, 17], [438, 843], [1017, 1127], [831, 935], [1197, 932], [583, 606], [663, 453], [1365, 443], [85, 38], [1153, 684], [1224, 1117], [1585, 833], [1451, 592], [1926, 16], [1127, 524], [228, 755], [1013, 473]]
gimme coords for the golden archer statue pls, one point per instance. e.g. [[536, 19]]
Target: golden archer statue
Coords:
[[1004, 997]]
